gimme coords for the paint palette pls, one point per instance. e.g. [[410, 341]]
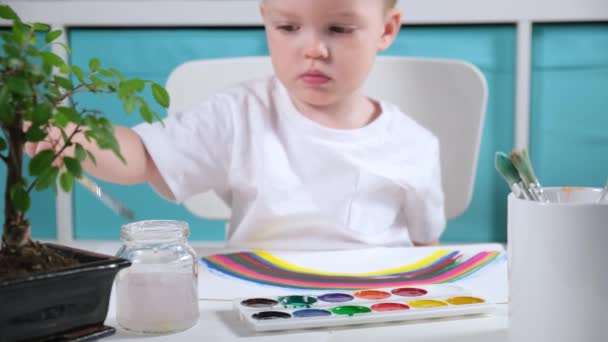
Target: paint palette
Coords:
[[359, 306]]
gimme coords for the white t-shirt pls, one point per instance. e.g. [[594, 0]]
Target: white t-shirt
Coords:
[[294, 184]]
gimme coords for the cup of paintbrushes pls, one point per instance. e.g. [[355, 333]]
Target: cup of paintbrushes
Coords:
[[557, 266]]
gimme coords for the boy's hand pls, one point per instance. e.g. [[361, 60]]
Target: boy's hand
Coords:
[[53, 141]]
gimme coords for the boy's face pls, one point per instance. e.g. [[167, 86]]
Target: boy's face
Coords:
[[322, 50]]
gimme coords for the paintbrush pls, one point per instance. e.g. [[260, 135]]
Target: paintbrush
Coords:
[[522, 163], [603, 194], [106, 199], [509, 173]]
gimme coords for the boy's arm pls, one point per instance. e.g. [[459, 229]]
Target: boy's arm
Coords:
[[138, 166]]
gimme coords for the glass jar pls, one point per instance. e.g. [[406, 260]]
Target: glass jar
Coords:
[[158, 294]]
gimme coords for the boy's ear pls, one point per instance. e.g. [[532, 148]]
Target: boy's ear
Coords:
[[392, 25]]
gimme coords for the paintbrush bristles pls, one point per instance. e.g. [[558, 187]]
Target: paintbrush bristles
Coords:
[[505, 168], [509, 173], [522, 163]]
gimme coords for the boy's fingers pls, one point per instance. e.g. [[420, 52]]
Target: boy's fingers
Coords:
[[30, 149], [26, 125]]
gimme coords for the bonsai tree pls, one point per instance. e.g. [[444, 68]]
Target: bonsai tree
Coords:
[[37, 89]]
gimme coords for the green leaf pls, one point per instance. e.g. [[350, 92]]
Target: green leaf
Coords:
[[129, 104], [107, 141], [78, 72], [106, 124], [146, 113], [160, 95], [35, 134], [94, 64], [133, 85], [20, 86], [11, 50], [70, 114], [66, 180], [64, 82], [60, 119], [41, 162], [106, 73], [19, 32], [2, 144], [92, 157], [52, 36], [47, 178], [73, 165], [80, 153], [65, 47], [51, 59], [20, 198], [90, 121], [41, 115], [40, 27], [118, 74], [32, 51], [98, 82], [7, 13], [65, 69]]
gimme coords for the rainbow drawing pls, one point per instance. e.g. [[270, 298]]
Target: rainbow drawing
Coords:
[[261, 267]]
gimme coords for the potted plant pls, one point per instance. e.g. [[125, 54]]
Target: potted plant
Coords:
[[50, 290]]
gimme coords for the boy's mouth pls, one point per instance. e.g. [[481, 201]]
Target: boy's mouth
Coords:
[[314, 77]]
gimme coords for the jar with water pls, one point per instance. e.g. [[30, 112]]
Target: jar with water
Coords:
[[158, 294]]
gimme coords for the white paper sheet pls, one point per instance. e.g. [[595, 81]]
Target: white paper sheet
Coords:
[[490, 282]]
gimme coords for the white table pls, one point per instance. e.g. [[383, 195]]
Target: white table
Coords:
[[219, 323]]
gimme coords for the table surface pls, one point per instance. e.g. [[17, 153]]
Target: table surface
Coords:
[[218, 322]]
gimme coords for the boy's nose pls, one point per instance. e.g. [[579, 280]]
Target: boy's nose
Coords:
[[317, 50]]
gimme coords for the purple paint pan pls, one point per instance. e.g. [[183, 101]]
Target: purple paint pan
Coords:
[[336, 297]]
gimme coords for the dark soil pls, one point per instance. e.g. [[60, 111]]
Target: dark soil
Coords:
[[30, 259]]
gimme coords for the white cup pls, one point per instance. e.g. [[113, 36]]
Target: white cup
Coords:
[[558, 267]]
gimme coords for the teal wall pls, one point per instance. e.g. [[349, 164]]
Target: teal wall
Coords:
[[569, 118], [569, 122]]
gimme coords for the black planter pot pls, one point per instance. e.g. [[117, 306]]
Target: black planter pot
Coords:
[[68, 304]]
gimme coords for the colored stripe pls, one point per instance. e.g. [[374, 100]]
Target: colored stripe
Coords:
[[263, 268]]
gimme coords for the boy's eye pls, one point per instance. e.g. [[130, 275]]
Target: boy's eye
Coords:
[[287, 28], [341, 29]]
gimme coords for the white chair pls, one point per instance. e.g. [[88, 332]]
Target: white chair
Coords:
[[448, 97]]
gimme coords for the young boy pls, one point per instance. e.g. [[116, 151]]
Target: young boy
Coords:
[[303, 158]]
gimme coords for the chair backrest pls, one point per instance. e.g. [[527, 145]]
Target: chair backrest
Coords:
[[448, 97]]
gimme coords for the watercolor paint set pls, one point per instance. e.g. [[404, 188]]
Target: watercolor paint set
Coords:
[[339, 308]]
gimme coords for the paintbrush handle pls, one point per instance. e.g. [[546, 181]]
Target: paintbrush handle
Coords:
[[106, 199], [603, 194], [536, 190], [520, 190]]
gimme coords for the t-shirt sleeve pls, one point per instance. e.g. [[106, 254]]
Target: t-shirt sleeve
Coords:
[[424, 205], [192, 149]]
